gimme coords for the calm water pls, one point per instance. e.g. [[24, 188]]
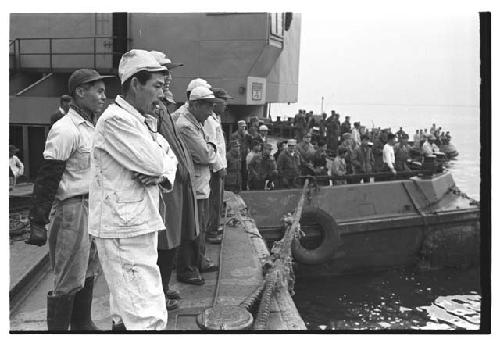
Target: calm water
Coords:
[[439, 300]]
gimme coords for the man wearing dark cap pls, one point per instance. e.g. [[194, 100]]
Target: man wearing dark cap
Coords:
[[204, 154], [332, 131], [213, 129], [63, 184]]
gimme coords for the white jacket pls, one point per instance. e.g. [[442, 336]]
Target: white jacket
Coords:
[[119, 205]]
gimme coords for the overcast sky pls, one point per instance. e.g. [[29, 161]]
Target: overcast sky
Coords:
[[422, 58]]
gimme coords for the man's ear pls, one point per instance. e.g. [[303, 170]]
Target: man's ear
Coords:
[[80, 92]]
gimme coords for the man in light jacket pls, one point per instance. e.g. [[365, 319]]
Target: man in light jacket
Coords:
[[213, 129], [204, 154], [130, 162]]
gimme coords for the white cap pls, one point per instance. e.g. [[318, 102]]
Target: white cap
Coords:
[[242, 122], [197, 83], [137, 60], [201, 93], [164, 61], [292, 142], [263, 128]]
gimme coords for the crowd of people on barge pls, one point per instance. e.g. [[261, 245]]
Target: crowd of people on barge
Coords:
[[327, 147]]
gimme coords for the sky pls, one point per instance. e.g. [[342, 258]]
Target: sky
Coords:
[[421, 58]]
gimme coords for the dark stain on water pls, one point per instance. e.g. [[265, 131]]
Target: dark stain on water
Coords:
[[393, 300]]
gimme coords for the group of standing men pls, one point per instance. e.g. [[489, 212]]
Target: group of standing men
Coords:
[[125, 191]]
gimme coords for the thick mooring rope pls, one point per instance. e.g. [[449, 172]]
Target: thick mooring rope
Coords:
[[278, 266]]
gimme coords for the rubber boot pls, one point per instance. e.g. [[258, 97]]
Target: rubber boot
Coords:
[[59, 310], [82, 308], [120, 327]]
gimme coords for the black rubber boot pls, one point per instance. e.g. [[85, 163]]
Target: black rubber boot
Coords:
[[82, 308], [59, 309], [120, 327]]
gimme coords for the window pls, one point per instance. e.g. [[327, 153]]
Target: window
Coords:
[[277, 24]]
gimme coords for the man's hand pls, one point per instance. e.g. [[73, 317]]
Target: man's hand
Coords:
[[393, 171], [38, 235], [146, 179]]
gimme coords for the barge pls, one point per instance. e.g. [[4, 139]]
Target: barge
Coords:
[[421, 220]]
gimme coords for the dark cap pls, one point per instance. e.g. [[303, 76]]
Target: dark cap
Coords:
[[83, 76], [221, 93]]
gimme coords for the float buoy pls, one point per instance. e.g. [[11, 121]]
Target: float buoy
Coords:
[[330, 238]]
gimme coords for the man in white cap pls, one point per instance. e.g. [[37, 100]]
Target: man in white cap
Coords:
[[203, 153], [131, 162], [289, 164], [198, 82], [213, 129], [62, 185], [263, 130]]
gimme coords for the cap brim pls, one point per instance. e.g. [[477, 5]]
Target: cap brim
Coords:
[[100, 77], [172, 65]]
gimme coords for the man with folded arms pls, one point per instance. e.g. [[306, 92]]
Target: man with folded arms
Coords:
[[131, 162], [203, 153], [62, 185]]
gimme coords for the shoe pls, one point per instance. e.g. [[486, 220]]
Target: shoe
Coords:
[[82, 308], [172, 304], [191, 280], [173, 294], [120, 327], [59, 310], [209, 267]]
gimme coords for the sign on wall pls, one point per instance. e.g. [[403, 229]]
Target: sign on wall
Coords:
[[256, 91]]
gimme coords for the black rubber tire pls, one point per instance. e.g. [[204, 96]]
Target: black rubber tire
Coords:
[[329, 243]]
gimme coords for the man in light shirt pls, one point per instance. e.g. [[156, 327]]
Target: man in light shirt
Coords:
[[131, 162], [213, 129], [203, 152], [62, 185], [198, 82], [388, 154]]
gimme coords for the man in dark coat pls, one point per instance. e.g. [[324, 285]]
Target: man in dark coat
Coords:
[[346, 125], [289, 165], [332, 131], [262, 167], [178, 207], [362, 159], [244, 141]]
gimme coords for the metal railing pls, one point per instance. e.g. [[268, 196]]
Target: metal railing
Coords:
[[17, 51]]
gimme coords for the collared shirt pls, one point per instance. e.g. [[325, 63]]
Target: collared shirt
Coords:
[[120, 206], [201, 152], [213, 130], [426, 148], [388, 156], [70, 140]]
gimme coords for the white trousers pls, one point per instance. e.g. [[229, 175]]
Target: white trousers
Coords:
[[135, 289]]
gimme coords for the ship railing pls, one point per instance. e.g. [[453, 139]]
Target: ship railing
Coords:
[[20, 47], [321, 180]]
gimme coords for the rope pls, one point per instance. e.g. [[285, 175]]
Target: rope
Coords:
[[279, 271]]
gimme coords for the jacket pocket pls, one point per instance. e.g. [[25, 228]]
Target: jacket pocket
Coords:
[[130, 206]]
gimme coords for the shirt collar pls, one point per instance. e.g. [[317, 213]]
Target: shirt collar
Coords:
[[193, 120], [76, 117], [129, 108]]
